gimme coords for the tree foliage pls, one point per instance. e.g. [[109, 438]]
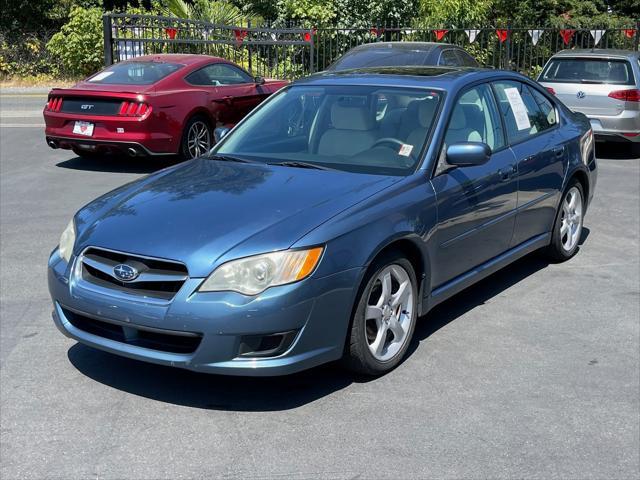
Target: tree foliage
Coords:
[[79, 45]]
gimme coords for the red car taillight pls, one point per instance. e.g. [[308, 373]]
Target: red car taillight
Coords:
[[632, 95], [54, 104], [134, 109], [551, 90]]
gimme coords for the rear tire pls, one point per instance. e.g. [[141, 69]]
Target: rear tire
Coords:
[[197, 138], [385, 317], [567, 229]]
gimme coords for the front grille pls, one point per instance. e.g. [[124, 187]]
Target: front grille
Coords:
[[157, 278], [91, 106], [155, 339]]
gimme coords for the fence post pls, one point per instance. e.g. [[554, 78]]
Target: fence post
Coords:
[[311, 52], [508, 45], [249, 48], [108, 40]]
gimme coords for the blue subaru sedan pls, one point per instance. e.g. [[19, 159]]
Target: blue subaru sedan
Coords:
[[327, 222]]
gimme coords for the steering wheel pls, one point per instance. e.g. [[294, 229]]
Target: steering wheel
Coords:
[[394, 142]]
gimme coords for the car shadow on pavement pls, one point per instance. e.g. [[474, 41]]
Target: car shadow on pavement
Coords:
[[615, 151], [119, 164], [216, 392]]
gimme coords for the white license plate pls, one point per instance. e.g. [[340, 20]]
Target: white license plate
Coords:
[[83, 128]]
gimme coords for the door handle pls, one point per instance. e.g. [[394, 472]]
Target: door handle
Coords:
[[506, 173], [226, 100], [558, 151]]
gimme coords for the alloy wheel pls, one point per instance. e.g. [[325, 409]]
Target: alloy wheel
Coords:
[[389, 313], [198, 139], [571, 219]]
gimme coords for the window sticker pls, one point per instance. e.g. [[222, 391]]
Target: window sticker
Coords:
[[405, 150], [100, 76], [518, 108]]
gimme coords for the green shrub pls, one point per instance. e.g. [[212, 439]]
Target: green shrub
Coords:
[[79, 44]]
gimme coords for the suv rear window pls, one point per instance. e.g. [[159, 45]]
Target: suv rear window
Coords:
[[588, 70], [134, 73]]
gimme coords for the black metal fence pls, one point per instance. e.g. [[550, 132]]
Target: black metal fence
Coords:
[[293, 52], [268, 52]]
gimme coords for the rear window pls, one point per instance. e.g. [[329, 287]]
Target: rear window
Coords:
[[588, 70], [379, 57], [134, 73]]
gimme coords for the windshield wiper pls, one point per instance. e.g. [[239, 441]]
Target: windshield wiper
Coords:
[[296, 164], [229, 158]]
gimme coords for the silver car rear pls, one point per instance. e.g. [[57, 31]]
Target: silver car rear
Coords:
[[602, 84]]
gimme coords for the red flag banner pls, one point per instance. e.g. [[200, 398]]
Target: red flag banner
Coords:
[[171, 32], [502, 34], [440, 34], [240, 35], [566, 35], [376, 31], [630, 32], [306, 36]]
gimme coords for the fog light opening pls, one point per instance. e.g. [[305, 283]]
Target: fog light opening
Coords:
[[269, 345]]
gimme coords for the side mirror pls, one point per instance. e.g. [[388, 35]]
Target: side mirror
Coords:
[[466, 154], [258, 80], [219, 133]]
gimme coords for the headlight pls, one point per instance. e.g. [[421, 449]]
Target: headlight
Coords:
[[253, 275], [67, 241]]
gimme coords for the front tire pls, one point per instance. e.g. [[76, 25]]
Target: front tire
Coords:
[[568, 226], [385, 317], [196, 138]]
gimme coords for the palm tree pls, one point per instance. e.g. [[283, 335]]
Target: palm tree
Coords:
[[213, 11]]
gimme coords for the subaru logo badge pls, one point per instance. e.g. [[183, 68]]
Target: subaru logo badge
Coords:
[[580, 94], [125, 273]]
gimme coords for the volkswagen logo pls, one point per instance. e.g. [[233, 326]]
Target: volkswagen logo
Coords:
[[125, 272], [580, 94]]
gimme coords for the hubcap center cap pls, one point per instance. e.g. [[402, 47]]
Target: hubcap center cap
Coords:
[[386, 313]]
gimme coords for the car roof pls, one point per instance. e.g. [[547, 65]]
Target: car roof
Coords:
[[596, 52], [444, 78], [412, 46], [184, 59]]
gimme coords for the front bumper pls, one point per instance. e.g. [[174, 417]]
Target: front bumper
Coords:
[[318, 310]]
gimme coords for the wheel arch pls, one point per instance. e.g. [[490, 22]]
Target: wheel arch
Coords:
[[410, 247], [583, 178]]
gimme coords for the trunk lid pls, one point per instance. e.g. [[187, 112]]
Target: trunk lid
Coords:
[[590, 99]]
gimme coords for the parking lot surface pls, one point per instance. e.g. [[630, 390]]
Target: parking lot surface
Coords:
[[533, 373]]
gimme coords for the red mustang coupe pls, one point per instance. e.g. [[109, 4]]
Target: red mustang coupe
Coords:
[[153, 105]]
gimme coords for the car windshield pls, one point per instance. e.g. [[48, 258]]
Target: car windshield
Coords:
[[379, 57], [368, 129], [134, 73], [588, 70]]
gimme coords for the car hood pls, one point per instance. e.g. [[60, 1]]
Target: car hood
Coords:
[[205, 212]]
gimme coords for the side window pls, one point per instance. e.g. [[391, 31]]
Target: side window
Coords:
[[549, 117], [526, 112], [448, 58], [218, 74], [465, 59], [475, 118]]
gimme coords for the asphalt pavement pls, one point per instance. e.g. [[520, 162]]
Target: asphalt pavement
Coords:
[[533, 373]]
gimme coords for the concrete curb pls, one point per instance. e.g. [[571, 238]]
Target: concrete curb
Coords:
[[25, 91]]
